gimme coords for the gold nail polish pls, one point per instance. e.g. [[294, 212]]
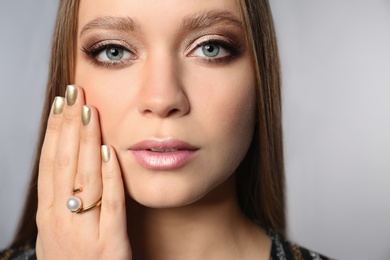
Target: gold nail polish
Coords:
[[71, 95], [105, 150], [58, 105], [85, 115]]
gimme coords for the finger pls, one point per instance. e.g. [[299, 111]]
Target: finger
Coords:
[[49, 148], [65, 165], [113, 209], [89, 164]]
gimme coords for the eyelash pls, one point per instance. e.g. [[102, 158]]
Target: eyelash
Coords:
[[232, 50], [98, 48], [94, 51]]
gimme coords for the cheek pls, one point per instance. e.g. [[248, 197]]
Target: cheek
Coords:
[[224, 106], [111, 93], [225, 99], [236, 123]]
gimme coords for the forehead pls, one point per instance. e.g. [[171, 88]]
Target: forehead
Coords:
[[158, 13]]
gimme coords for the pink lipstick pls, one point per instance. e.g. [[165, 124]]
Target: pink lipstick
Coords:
[[163, 155]]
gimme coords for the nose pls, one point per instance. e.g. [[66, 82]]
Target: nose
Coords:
[[162, 93]]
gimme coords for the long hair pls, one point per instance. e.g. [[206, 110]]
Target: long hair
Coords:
[[260, 177], [61, 74]]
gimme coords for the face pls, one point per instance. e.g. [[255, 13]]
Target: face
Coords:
[[174, 85]]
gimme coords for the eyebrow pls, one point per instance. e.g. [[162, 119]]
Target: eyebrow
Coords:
[[207, 19], [192, 22], [111, 23]]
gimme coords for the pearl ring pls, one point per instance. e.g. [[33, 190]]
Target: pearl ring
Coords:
[[75, 204]]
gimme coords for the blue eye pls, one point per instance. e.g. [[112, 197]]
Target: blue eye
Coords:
[[211, 50], [113, 53]]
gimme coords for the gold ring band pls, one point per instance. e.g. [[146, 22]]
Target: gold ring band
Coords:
[[94, 205]]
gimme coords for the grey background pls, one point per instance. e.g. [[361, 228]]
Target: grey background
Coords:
[[336, 62]]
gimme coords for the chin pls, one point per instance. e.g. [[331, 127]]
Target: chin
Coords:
[[169, 194], [159, 200]]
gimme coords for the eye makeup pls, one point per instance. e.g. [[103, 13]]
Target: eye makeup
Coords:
[[112, 49], [97, 50], [230, 49]]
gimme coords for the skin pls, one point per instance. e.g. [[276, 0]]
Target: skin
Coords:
[[163, 88]]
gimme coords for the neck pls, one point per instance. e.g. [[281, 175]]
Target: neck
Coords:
[[212, 228]]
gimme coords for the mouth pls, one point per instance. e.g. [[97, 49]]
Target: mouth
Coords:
[[156, 150], [163, 155]]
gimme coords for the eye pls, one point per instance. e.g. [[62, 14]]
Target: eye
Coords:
[[210, 50], [113, 53], [215, 49], [110, 55]]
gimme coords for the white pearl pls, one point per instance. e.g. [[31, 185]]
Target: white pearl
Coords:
[[74, 203]]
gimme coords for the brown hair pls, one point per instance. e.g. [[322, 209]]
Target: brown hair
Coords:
[[260, 177]]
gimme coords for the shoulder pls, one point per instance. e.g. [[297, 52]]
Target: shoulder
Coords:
[[26, 252], [283, 249]]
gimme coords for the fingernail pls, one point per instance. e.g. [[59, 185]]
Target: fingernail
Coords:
[[105, 153], [71, 95], [58, 105], [85, 115]]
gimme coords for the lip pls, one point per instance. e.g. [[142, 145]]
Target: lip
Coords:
[[163, 155]]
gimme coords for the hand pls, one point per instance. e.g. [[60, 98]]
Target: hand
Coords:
[[71, 158]]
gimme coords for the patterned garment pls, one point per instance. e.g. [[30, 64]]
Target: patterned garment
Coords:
[[19, 253], [285, 250], [281, 250]]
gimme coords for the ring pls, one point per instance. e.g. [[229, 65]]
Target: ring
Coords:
[[75, 204]]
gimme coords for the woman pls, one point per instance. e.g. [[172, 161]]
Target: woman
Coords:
[[177, 151]]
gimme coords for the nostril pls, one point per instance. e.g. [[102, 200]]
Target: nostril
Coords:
[[162, 113], [173, 112]]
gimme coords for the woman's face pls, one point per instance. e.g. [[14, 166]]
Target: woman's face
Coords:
[[174, 86]]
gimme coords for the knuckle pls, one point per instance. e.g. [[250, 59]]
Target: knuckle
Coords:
[[84, 179], [113, 205], [109, 175], [61, 161], [58, 223], [70, 117], [54, 124], [44, 220], [58, 227], [87, 136]]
